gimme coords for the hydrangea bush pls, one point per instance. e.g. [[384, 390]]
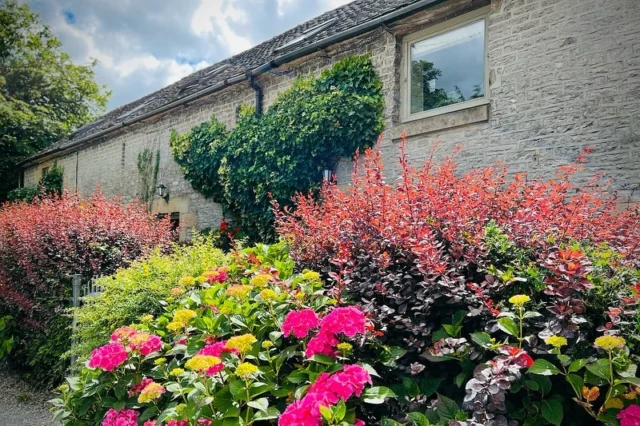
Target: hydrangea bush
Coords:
[[246, 343], [514, 301]]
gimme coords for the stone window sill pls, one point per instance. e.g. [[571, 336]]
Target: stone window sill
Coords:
[[461, 117]]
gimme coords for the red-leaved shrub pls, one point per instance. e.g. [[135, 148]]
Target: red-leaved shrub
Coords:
[[43, 244], [436, 258]]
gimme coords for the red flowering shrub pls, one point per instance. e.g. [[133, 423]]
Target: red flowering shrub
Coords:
[[443, 262], [43, 244]]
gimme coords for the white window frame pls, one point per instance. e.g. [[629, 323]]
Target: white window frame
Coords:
[[435, 30]]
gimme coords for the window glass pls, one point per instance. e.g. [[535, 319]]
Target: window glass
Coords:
[[447, 68]]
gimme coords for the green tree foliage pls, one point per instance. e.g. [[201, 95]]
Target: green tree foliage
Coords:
[[284, 151], [43, 94]]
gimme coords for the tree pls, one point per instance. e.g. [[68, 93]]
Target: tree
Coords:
[[43, 94]]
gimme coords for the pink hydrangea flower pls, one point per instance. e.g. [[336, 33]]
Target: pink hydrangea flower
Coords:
[[136, 389], [108, 357], [204, 422], [217, 349], [327, 390], [124, 417], [299, 323], [175, 422], [348, 321], [149, 423], [630, 416], [323, 344], [359, 423], [151, 344], [123, 334]]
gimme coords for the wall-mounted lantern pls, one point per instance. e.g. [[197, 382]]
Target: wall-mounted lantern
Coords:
[[162, 192]]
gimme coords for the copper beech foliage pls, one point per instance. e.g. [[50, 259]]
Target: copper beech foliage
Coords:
[[440, 215]]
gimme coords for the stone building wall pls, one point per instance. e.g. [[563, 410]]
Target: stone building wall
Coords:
[[564, 75]]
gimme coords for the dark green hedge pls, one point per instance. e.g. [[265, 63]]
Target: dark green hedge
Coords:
[[285, 150]]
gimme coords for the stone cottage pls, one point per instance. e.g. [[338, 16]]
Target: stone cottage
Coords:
[[530, 82]]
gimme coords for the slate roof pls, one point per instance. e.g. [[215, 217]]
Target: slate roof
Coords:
[[315, 30]]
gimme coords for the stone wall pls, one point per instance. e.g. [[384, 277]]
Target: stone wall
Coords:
[[564, 75]]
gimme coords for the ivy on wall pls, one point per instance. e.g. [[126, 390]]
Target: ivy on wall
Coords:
[[284, 151], [148, 171]]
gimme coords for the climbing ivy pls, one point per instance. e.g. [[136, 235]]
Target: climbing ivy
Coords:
[[148, 170], [284, 151]]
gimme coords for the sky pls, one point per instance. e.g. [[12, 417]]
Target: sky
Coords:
[[144, 45]]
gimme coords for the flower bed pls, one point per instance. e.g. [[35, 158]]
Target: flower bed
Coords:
[[247, 343]]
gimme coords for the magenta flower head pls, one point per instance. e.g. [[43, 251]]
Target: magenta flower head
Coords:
[[630, 416], [300, 322], [348, 321], [124, 417], [108, 357], [146, 343]]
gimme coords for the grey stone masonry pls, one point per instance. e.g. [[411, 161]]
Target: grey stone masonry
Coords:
[[564, 75]]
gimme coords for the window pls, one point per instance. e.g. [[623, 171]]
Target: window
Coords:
[[445, 67]]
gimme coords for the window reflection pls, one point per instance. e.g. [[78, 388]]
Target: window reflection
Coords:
[[448, 68]]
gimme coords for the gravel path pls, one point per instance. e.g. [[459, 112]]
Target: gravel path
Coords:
[[20, 403]]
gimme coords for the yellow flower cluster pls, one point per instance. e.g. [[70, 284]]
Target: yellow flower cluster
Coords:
[[311, 276], [556, 341], [238, 291], [260, 280], [183, 316], [267, 344], [151, 392], [268, 294], [345, 347], [246, 370], [160, 361], [146, 319], [609, 343], [138, 339], [187, 281], [226, 310], [176, 372], [202, 362], [241, 343], [519, 299]]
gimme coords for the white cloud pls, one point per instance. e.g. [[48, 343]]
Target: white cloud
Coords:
[[282, 6], [217, 17]]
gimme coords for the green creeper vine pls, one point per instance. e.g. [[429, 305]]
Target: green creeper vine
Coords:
[[148, 170], [284, 151]]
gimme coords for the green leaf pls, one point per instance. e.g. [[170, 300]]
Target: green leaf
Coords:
[[509, 326], [576, 383], [340, 410], [419, 419], [600, 368], [377, 394], [429, 385], [543, 368], [446, 407], [326, 413], [260, 404], [552, 411], [323, 359], [481, 338], [272, 413], [578, 364]]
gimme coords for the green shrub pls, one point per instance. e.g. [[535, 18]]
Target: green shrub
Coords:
[[50, 184], [138, 290], [285, 150]]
